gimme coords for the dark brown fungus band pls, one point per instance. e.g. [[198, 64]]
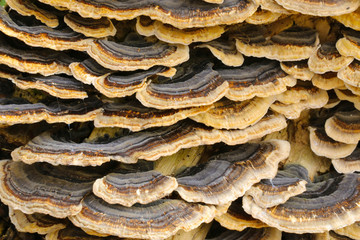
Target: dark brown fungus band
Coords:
[[31, 8], [344, 127], [293, 44], [237, 219], [180, 14], [17, 55], [262, 79], [96, 28], [61, 86], [128, 188], [298, 69], [157, 220], [148, 145], [322, 145], [287, 183], [349, 45], [332, 201], [321, 7], [44, 188], [33, 34], [167, 33], [250, 234], [36, 222], [229, 175], [136, 117], [227, 114], [193, 85], [348, 164], [224, 50], [16, 110], [327, 59], [136, 53]]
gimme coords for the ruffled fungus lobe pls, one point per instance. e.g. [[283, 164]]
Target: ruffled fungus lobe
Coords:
[[36, 222], [134, 187], [237, 219], [227, 114], [317, 209], [229, 175], [344, 127], [96, 28], [180, 14], [60, 86], [262, 16], [225, 51], [292, 102], [327, 81], [322, 145], [136, 53], [30, 8], [40, 35], [292, 44], [351, 231], [348, 164], [261, 79], [15, 111], [321, 7], [287, 183], [349, 45], [299, 69], [156, 220], [167, 33], [327, 59], [250, 234], [351, 74], [121, 84], [350, 20], [193, 85], [136, 117], [88, 71], [33, 60], [148, 145], [273, 6], [43, 188]]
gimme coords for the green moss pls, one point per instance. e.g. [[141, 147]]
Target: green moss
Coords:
[[2, 2]]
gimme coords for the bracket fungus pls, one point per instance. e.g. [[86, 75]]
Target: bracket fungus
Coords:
[[227, 176], [148, 119], [305, 213], [149, 145]]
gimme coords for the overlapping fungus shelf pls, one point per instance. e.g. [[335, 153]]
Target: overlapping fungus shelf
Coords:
[[136, 53], [227, 176], [148, 145], [287, 183], [167, 33], [237, 219], [180, 14], [33, 34], [176, 120], [224, 50], [305, 213]]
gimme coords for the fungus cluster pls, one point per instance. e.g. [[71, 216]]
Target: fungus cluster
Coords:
[[187, 119]]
